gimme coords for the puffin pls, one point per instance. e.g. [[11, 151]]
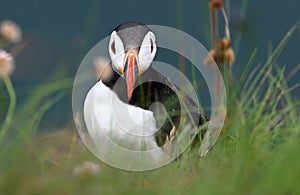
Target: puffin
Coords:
[[137, 107]]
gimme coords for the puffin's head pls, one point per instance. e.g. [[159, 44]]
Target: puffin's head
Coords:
[[131, 48]]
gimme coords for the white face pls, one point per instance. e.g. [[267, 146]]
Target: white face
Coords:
[[145, 55], [147, 50], [116, 51]]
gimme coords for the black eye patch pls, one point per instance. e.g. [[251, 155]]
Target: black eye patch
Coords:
[[113, 47], [151, 45]]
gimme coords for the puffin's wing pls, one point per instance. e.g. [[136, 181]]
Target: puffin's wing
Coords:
[[188, 101], [161, 89]]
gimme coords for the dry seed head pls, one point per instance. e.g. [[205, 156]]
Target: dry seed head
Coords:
[[224, 44], [229, 56], [10, 31], [211, 56], [215, 4], [7, 64]]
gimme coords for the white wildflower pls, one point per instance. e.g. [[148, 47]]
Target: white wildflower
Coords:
[[87, 168], [103, 69], [7, 64], [10, 31]]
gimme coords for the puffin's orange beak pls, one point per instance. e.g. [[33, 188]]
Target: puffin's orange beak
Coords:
[[131, 70]]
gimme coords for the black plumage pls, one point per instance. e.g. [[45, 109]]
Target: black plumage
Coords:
[[161, 90]]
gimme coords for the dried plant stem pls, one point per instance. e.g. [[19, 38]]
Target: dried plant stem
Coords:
[[11, 106], [227, 31], [217, 90], [214, 28], [293, 72]]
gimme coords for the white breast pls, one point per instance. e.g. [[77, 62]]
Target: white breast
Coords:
[[112, 122]]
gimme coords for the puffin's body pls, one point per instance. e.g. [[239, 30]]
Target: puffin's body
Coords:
[[161, 90], [122, 106]]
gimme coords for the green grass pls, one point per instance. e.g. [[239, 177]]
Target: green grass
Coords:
[[257, 152]]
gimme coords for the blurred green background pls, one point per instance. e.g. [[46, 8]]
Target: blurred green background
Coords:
[[59, 33]]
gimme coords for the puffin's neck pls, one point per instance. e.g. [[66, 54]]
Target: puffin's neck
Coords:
[[118, 85], [110, 83]]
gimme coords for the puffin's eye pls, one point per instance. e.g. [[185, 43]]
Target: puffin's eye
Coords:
[[151, 45], [113, 47]]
